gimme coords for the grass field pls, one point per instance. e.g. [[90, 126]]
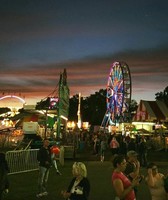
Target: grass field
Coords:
[[24, 186]]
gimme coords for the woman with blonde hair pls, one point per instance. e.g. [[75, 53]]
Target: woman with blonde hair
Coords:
[[79, 187]]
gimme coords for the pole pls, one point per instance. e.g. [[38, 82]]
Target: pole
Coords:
[[59, 108], [58, 122], [45, 133], [79, 113]]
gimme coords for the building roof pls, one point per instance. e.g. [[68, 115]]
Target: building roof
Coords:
[[151, 111]]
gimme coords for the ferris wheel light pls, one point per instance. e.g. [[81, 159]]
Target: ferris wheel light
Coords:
[[118, 91]]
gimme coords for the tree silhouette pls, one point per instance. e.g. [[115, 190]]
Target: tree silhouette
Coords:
[[4, 110], [163, 95]]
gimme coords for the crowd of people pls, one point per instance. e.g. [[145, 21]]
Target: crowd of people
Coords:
[[128, 156], [126, 178], [120, 144]]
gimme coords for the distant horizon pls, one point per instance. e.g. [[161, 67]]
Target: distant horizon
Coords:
[[7, 102]]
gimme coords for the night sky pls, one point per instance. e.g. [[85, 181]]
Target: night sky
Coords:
[[39, 38]]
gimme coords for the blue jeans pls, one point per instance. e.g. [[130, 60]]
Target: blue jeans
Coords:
[[42, 179]]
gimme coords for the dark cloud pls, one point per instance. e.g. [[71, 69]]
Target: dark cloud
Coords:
[[148, 68], [38, 39]]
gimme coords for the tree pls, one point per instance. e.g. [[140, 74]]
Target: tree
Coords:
[[132, 108], [163, 95], [93, 107], [4, 110], [73, 108]]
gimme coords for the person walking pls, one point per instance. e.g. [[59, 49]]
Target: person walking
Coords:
[[4, 170], [123, 187], [54, 152], [103, 147], [79, 187], [155, 182], [44, 158], [96, 145], [114, 146], [143, 152]]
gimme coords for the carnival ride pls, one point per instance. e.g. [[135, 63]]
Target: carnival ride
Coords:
[[55, 106], [118, 95], [13, 96]]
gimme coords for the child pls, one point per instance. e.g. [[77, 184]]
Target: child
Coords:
[[54, 151]]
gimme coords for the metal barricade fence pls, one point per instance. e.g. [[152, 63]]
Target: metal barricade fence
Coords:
[[22, 160], [26, 160]]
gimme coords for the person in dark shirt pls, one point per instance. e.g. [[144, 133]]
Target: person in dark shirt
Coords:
[[79, 187], [132, 145], [4, 169], [143, 152], [132, 169], [44, 159]]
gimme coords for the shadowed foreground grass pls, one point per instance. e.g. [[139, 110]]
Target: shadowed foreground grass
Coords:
[[24, 186]]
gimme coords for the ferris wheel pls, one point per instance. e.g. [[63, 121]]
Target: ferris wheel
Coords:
[[118, 94]]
